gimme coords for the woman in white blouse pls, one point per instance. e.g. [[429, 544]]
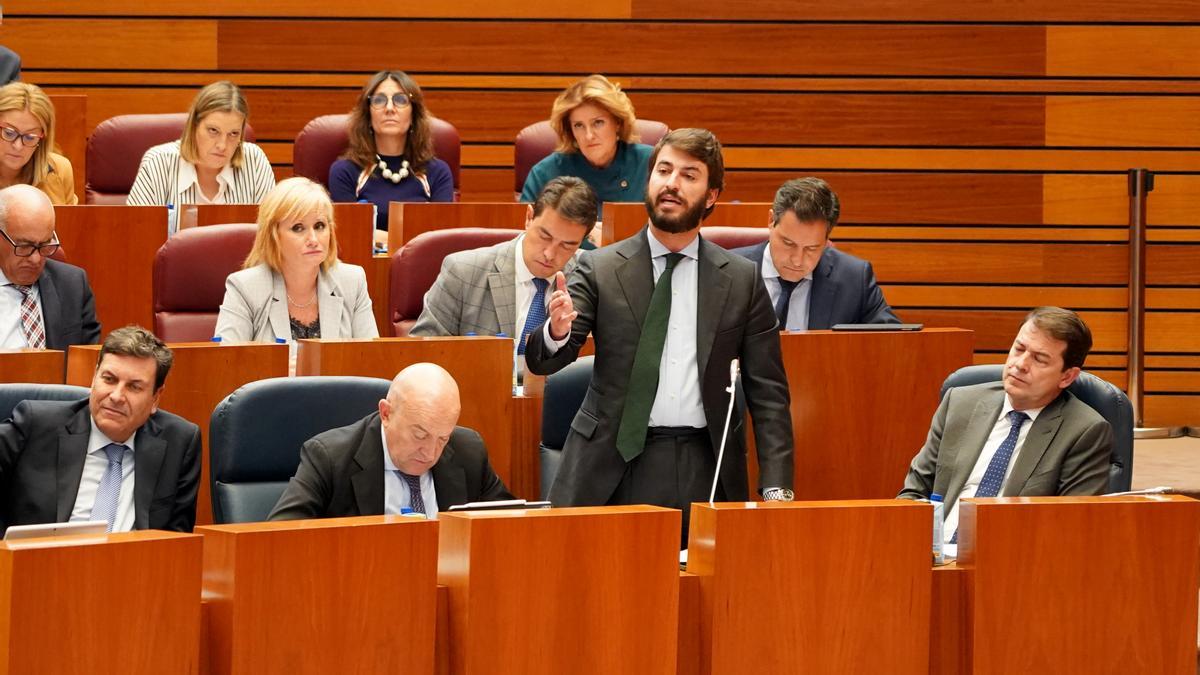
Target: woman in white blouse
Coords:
[[211, 163]]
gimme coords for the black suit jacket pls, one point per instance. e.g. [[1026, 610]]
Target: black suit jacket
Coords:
[[42, 452], [843, 291], [611, 289], [10, 66], [341, 474], [68, 308]]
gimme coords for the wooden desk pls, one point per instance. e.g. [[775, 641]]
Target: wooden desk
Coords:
[[582, 591], [70, 135], [623, 219], [39, 366], [116, 245], [204, 373], [338, 595], [119, 604], [407, 220]]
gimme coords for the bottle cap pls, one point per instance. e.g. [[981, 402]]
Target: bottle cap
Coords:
[[935, 497]]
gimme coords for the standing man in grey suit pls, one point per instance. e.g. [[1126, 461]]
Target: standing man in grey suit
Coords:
[[1024, 436], [44, 304], [114, 457], [668, 311], [814, 286], [492, 290]]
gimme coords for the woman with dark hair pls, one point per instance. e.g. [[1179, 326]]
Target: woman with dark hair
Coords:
[[390, 158]]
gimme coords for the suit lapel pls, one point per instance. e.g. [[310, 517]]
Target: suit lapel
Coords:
[[72, 452], [278, 310], [449, 481], [713, 284], [51, 320], [502, 284], [636, 275], [330, 305], [969, 445], [367, 481], [821, 298], [1037, 441], [148, 454]]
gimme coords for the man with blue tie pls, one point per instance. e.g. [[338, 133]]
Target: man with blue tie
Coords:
[[1023, 436], [814, 286], [502, 288], [113, 457], [410, 454]]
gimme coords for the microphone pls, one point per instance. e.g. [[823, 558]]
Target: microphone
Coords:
[[734, 370]]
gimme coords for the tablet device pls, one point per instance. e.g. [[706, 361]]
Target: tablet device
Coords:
[[17, 532], [499, 505], [879, 326]]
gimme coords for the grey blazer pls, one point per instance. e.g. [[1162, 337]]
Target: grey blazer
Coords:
[[1065, 453], [474, 293], [255, 305]]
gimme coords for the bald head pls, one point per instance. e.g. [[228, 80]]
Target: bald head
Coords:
[[27, 217], [419, 415]]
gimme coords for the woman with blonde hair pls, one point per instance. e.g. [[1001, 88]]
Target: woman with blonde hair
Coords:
[[210, 163], [597, 142], [390, 157], [28, 157], [292, 285]]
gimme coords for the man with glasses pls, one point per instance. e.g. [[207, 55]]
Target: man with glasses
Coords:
[[44, 304]]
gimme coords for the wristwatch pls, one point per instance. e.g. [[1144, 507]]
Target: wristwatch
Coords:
[[778, 495]]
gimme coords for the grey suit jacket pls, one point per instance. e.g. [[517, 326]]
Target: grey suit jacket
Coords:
[[474, 293], [341, 474], [611, 289], [1066, 451], [844, 289], [42, 452], [255, 307], [68, 307]]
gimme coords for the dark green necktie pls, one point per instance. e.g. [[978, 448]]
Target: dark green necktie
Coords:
[[643, 379]]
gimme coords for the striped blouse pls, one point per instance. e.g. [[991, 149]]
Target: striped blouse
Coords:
[[158, 177]]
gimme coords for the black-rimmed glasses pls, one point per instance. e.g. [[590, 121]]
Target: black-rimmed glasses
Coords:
[[11, 134], [26, 250], [380, 101]]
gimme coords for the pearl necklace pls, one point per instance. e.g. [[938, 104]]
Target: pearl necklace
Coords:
[[388, 174]]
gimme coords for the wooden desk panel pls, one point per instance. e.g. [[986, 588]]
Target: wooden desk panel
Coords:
[[336, 595], [407, 220], [950, 621], [203, 375], [586, 591], [40, 366], [119, 604]]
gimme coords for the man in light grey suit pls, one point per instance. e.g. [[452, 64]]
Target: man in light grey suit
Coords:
[[492, 290], [1023, 436]]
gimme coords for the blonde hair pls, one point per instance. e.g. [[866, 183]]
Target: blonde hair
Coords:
[[22, 96], [598, 90], [223, 96], [288, 201]]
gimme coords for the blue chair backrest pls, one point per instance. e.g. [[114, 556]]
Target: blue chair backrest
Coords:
[[12, 394], [1103, 397], [255, 436]]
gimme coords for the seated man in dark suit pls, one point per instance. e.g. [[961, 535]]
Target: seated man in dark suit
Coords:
[[812, 285], [409, 454], [44, 304], [979, 444], [10, 66], [113, 457]]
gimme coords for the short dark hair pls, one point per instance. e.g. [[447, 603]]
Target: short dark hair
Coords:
[[701, 144], [571, 197], [1063, 324], [138, 342], [809, 199]]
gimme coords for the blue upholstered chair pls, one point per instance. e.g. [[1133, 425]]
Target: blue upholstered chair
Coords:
[[1104, 398], [12, 394], [563, 395], [255, 436]]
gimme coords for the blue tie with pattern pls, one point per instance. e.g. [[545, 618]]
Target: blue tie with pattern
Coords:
[[993, 478], [537, 312], [414, 492], [108, 495], [784, 302]]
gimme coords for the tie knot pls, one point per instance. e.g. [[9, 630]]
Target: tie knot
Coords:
[[115, 452], [25, 290], [1017, 418], [788, 286], [414, 482], [673, 260], [540, 284]]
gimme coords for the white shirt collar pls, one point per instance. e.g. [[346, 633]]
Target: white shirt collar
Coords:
[[1008, 407], [188, 177], [524, 276], [97, 440], [657, 248], [769, 271]]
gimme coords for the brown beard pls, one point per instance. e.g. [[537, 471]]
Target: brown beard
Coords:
[[685, 222]]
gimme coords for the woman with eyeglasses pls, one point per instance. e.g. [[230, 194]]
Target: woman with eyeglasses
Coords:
[[210, 163], [27, 130], [390, 157]]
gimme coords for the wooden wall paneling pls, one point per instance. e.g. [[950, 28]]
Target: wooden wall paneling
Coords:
[[1123, 121], [1175, 199], [996, 328], [1172, 264], [32, 365], [958, 159], [112, 43], [70, 135], [1162, 410], [1073, 297], [994, 263], [1127, 51], [602, 9]]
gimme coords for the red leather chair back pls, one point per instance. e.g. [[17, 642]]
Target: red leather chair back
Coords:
[[537, 141], [730, 238], [324, 139], [189, 278], [415, 267], [115, 149]]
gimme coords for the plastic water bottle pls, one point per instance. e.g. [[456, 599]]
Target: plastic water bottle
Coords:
[[939, 520]]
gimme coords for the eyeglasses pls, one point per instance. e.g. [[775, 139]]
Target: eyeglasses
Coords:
[[26, 250], [380, 101], [11, 134]]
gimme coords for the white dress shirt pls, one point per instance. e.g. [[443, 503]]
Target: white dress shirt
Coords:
[[797, 316], [994, 440], [396, 494], [188, 177], [94, 468], [11, 335], [525, 290]]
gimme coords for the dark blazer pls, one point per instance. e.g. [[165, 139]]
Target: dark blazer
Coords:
[[68, 308], [1066, 451], [843, 289], [611, 289], [42, 451], [10, 66], [341, 474]]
